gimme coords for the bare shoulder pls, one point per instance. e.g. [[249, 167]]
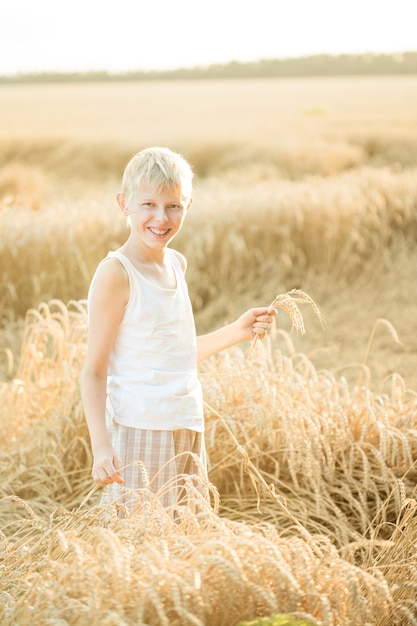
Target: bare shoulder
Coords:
[[111, 282], [181, 259], [108, 297]]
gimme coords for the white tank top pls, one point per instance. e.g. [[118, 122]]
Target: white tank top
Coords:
[[152, 378]]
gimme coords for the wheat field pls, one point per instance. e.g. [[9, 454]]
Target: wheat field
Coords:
[[310, 513]]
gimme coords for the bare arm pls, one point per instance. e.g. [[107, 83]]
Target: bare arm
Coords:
[[253, 322], [108, 300]]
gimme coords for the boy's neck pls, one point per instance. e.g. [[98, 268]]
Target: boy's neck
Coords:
[[152, 266], [142, 255]]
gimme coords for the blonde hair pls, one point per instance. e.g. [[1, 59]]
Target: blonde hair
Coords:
[[160, 167]]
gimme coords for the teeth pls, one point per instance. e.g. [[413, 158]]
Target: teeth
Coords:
[[157, 231]]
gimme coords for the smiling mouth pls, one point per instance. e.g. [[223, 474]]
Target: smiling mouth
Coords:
[[159, 232]]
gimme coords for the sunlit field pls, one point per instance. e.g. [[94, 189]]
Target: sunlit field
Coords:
[[312, 438]]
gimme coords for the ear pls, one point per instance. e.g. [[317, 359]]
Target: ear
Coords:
[[122, 203], [187, 208]]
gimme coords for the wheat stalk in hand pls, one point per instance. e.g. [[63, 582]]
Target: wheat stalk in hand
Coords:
[[289, 302]]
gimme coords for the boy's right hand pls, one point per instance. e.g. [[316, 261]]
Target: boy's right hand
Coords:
[[106, 467]]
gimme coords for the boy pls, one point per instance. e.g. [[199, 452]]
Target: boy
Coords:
[[140, 388]]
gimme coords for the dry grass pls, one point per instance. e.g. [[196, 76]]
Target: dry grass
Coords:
[[334, 476]]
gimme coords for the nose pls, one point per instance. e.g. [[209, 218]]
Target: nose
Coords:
[[161, 214]]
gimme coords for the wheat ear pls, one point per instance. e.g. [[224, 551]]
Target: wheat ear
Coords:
[[289, 302]]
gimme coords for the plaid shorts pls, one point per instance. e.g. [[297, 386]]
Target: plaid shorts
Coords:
[[155, 459]]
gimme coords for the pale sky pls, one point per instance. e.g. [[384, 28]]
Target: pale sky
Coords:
[[115, 35]]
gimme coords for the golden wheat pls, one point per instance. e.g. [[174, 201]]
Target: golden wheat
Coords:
[[289, 302], [160, 112], [311, 505], [147, 569], [320, 235], [313, 529]]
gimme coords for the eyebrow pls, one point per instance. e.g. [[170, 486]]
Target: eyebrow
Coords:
[[169, 201]]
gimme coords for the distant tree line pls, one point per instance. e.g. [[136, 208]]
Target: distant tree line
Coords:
[[316, 65]]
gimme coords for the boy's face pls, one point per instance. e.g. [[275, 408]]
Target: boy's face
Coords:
[[156, 216]]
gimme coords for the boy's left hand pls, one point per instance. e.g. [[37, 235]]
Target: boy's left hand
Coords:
[[255, 322]]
